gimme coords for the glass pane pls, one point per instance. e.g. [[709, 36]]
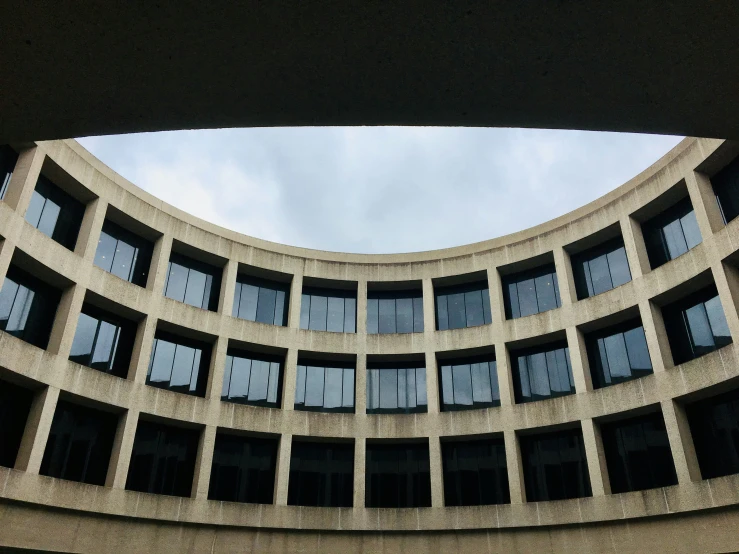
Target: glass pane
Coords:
[[176, 282], [195, 370], [447, 386], [161, 362], [350, 315], [700, 330], [421, 386], [389, 389], [279, 308], [564, 369], [486, 306], [512, 297], [333, 388], [123, 260], [373, 389], [274, 382], [473, 308], [227, 377], [674, 239], [335, 315], [184, 358], [33, 213], [106, 341], [527, 298], [442, 312], [21, 307], [600, 276], [690, 230], [402, 391], [237, 300], [84, 337], [636, 345], [305, 311], [248, 302], [481, 391], [538, 375], [318, 312], [314, 386], [524, 382], [545, 294], [348, 392], [404, 315], [7, 297], [105, 251], [259, 381], [266, 305], [300, 385], [410, 384], [457, 316], [462, 385], [49, 216], [372, 316], [493, 369], [387, 315], [240, 376], [619, 267], [196, 289], [418, 315], [719, 327], [618, 359]]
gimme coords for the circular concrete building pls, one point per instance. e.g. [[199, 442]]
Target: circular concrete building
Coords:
[[167, 385]]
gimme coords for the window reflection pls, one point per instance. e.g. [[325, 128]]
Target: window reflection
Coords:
[[192, 282], [671, 233], [55, 213], [103, 341], [261, 300], [475, 472], [601, 268], [324, 387], [531, 292], [328, 310], [462, 306], [618, 353], [123, 254], [178, 364], [393, 389], [469, 383], [542, 372]]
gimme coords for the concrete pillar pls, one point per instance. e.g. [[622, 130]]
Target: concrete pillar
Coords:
[[362, 307], [23, 181], [159, 264], [636, 249], [36, 433], [726, 278], [228, 288], [65, 321], [497, 305], [216, 369], [141, 355], [360, 384], [120, 456], [565, 277], [579, 360], [436, 471], [707, 211], [360, 465], [681, 442], [282, 473], [296, 294], [6, 255], [515, 468], [433, 394], [656, 335], [597, 467], [204, 462], [505, 374], [90, 229], [289, 378], [429, 309]]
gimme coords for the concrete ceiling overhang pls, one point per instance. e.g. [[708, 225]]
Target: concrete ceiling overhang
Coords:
[[77, 68]]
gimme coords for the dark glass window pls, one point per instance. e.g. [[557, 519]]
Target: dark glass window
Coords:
[[462, 306], [671, 233], [396, 390], [542, 372], [27, 307], [618, 354], [252, 379], [714, 425], [696, 325], [79, 445], [328, 310], [243, 469], [531, 292], [469, 383], [55, 213], [261, 300], [321, 474], [554, 466], [163, 459], [726, 186], [8, 159], [394, 312], [601, 269], [103, 341], [193, 282], [638, 454], [324, 387], [398, 475], [123, 254], [15, 405], [475, 472], [178, 364]]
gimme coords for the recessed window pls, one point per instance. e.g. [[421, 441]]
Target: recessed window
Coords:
[[542, 372], [601, 268], [475, 472], [8, 159], [55, 213], [696, 325], [27, 307], [469, 383], [252, 379], [324, 386], [162, 459], [261, 300], [15, 405], [462, 306], [554, 466], [123, 254], [396, 388], [618, 354], [638, 454], [192, 282], [179, 364], [714, 426], [243, 469], [79, 445], [328, 310], [321, 474], [671, 233], [531, 292], [726, 187], [398, 475], [394, 312]]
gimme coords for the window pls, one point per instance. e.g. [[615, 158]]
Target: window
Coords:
[[55, 213], [671, 233], [328, 310], [462, 306], [243, 469], [15, 405], [696, 325], [324, 387], [396, 390], [531, 292], [8, 159], [123, 254], [475, 472], [192, 282], [79, 445], [321, 474], [179, 365], [618, 354], [554, 466], [726, 187], [542, 372], [394, 312], [469, 383], [398, 475], [601, 269], [252, 379], [638, 454], [103, 341], [27, 307], [714, 425], [261, 300], [162, 459]]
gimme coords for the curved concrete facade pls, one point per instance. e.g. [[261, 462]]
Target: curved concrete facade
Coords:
[[46, 513]]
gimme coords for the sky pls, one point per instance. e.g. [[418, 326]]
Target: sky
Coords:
[[378, 189]]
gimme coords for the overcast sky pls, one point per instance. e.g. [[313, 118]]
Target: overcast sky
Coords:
[[378, 189]]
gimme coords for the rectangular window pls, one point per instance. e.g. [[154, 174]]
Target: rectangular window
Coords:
[[726, 187], [329, 310], [398, 475], [475, 472], [55, 213], [8, 159], [103, 341], [324, 387], [321, 474], [469, 383], [261, 300], [123, 254], [601, 268], [193, 282], [462, 306], [179, 364], [253, 379], [396, 389], [243, 469], [531, 292], [671, 233], [714, 426], [618, 354], [15, 405], [542, 372]]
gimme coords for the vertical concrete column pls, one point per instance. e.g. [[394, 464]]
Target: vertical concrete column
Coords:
[[497, 305], [563, 267], [142, 345], [656, 335], [216, 370], [360, 464], [515, 468], [681, 442], [433, 395], [505, 376], [228, 288], [579, 360], [597, 467], [120, 456], [435, 469], [6, 255], [36, 433], [289, 379], [362, 308], [23, 181], [282, 473], [726, 278], [429, 310], [296, 293], [203, 462], [707, 211], [636, 249], [429, 330], [360, 383], [65, 321], [90, 229], [159, 263]]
